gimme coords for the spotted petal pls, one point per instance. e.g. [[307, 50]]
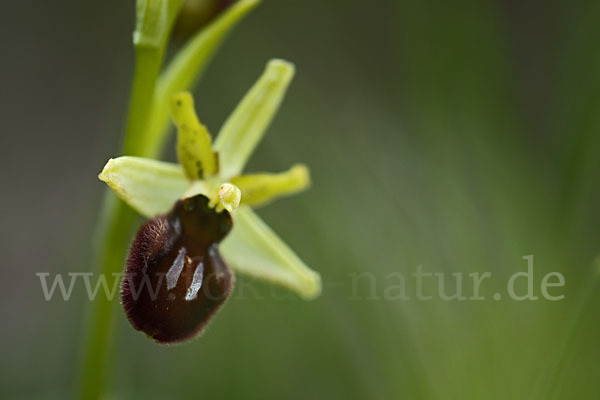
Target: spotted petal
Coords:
[[254, 249]]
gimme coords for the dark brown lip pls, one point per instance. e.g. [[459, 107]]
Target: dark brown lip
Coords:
[[176, 279]]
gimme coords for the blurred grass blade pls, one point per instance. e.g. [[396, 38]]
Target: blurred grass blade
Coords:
[[194, 144], [254, 249], [150, 187], [261, 189], [246, 125], [187, 66]]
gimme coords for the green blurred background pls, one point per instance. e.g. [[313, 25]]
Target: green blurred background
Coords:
[[456, 135]]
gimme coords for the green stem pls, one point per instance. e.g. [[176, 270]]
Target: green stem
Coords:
[[143, 137], [115, 227], [114, 235], [147, 70]]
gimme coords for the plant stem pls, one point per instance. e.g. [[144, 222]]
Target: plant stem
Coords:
[[115, 227], [114, 236], [155, 19], [147, 70]]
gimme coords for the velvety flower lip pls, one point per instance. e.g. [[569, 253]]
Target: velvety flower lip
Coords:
[[175, 279], [213, 171]]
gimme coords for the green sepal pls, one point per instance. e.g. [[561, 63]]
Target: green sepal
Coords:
[[253, 248], [247, 124], [150, 187]]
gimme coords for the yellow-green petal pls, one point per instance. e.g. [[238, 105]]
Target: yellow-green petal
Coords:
[[260, 189], [150, 187], [194, 144], [253, 248], [246, 125]]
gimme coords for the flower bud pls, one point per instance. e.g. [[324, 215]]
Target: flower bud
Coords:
[[195, 14]]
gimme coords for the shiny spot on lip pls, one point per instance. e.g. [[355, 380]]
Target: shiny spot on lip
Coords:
[[176, 268], [192, 291]]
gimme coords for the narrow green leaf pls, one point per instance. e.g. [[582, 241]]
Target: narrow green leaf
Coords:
[[187, 66], [246, 125], [252, 248], [150, 187]]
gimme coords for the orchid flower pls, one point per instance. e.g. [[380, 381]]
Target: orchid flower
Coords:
[[209, 176]]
